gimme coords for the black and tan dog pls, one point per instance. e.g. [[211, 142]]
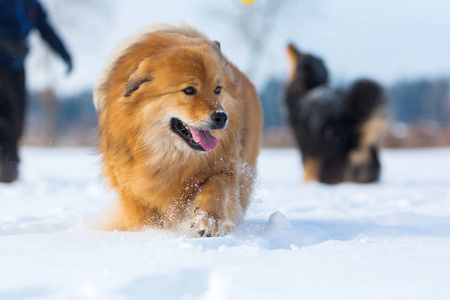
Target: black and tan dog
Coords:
[[338, 132]]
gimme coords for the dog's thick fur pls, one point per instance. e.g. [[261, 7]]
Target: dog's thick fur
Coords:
[[160, 178], [338, 132]]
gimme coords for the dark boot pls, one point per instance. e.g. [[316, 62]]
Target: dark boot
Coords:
[[9, 158], [8, 171]]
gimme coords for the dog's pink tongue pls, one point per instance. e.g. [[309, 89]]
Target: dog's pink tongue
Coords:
[[205, 138]]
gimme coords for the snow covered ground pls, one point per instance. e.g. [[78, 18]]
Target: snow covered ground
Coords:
[[383, 241]]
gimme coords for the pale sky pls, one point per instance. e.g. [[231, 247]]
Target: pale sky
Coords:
[[386, 40]]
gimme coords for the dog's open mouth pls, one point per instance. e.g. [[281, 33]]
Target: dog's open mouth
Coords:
[[197, 139]]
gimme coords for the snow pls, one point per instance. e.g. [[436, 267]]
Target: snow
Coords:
[[389, 240]]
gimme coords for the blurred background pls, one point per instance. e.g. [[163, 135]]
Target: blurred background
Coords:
[[402, 44]]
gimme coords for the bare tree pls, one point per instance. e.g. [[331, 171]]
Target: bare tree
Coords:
[[255, 24]]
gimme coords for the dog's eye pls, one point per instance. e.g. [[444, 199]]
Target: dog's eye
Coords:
[[190, 90], [217, 90]]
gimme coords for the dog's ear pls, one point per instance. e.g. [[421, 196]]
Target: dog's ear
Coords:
[[216, 47], [134, 84], [138, 78], [294, 56], [293, 51]]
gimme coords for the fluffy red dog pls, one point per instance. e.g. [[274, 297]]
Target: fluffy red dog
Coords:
[[180, 131]]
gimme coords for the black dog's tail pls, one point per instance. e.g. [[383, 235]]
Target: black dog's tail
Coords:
[[365, 98]]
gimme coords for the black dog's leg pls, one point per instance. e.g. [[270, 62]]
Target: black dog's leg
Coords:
[[369, 171], [374, 168], [333, 170]]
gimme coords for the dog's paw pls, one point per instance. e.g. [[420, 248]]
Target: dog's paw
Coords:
[[206, 225]]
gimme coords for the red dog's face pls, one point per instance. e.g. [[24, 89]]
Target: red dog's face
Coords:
[[179, 96]]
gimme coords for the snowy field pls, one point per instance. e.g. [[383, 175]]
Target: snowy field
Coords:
[[382, 241]]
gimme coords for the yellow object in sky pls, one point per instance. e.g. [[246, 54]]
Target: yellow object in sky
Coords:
[[247, 2]]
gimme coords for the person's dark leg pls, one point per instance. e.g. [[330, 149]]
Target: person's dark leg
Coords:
[[12, 113], [19, 102]]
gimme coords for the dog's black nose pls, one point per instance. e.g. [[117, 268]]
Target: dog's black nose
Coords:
[[219, 120]]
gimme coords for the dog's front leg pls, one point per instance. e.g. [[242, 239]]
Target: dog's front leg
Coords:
[[217, 209]]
